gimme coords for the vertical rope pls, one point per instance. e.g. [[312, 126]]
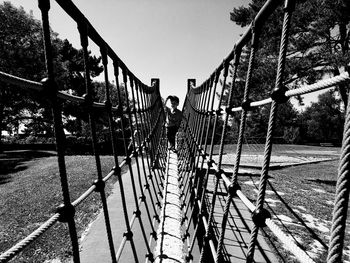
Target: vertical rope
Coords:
[[217, 175], [133, 150], [137, 152], [336, 243], [231, 190], [278, 96], [83, 30], [128, 234], [67, 211]]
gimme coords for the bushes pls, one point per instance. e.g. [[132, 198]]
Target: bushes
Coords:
[[74, 145]]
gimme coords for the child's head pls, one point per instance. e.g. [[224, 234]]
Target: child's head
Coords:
[[174, 101]]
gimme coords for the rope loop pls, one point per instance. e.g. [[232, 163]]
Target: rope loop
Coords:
[[66, 212], [259, 217]]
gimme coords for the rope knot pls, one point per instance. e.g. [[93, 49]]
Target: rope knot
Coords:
[[127, 160], [66, 212], [279, 94], [210, 163], [99, 185], [128, 235], [108, 105], [218, 112], [259, 216], [233, 188], [189, 257], [116, 170], [246, 105], [219, 173], [87, 104], [49, 93]]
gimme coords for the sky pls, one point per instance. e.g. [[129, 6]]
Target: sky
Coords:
[[172, 40]]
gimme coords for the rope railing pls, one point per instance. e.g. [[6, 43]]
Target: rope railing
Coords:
[[139, 108], [199, 130], [137, 103]]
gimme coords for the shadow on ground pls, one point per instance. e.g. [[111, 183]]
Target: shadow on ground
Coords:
[[15, 161]]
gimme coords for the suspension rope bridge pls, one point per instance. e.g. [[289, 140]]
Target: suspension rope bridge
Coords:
[[180, 207]]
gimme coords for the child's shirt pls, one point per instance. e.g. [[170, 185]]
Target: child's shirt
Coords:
[[173, 118]]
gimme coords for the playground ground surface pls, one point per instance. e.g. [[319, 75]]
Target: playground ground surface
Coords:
[[301, 198]]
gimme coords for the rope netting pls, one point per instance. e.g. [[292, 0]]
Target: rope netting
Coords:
[[203, 108], [138, 108]]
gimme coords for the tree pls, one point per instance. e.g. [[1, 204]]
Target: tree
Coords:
[[319, 40], [22, 54], [318, 46], [323, 121]]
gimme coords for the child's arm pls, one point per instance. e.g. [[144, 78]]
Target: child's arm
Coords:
[[166, 100]]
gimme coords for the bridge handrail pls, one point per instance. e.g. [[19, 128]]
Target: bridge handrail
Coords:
[[145, 147], [198, 110], [29, 85]]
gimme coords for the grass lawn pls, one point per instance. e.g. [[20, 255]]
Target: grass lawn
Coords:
[[300, 200], [30, 195]]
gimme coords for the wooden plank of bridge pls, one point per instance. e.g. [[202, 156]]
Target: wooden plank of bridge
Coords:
[[237, 235]]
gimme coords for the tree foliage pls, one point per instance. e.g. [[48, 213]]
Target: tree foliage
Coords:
[[323, 121], [318, 46], [22, 54]]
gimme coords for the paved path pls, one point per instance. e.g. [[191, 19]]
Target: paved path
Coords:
[[94, 247]]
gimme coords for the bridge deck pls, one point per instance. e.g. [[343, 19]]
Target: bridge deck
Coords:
[[94, 247], [237, 233]]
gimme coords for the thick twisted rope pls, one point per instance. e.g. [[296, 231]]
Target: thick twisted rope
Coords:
[[268, 145], [230, 194], [340, 209], [320, 85], [12, 252]]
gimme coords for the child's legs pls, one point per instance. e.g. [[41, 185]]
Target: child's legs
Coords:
[[171, 133]]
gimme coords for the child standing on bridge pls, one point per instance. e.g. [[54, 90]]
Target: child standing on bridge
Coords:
[[173, 120]]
